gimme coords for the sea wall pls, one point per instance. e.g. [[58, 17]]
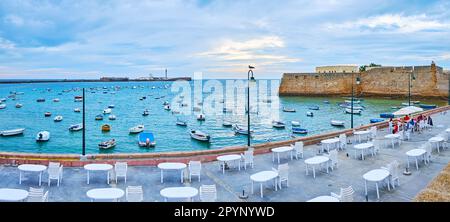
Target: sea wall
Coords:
[[430, 81]]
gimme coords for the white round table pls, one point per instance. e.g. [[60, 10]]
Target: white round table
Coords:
[[436, 140], [362, 133], [179, 192], [324, 199], [376, 176], [416, 153], [279, 150], [34, 168], [329, 142], [98, 167], [7, 194], [228, 158], [171, 166], [317, 160], [393, 137], [262, 177], [105, 194], [362, 147]]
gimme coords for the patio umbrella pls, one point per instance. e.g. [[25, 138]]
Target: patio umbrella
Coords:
[[407, 111]]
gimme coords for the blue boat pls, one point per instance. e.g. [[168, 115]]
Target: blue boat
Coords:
[[299, 130], [376, 120], [146, 139], [387, 115], [427, 106]]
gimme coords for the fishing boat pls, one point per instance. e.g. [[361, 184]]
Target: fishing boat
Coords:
[[395, 107], [111, 106], [313, 107], [199, 135], [241, 130], [107, 111], [136, 129], [56, 100], [112, 117], [376, 120], [201, 117], [387, 115], [47, 114], [181, 122], [310, 114], [355, 111], [12, 132], [299, 130], [289, 110], [18, 105], [337, 123], [40, 100], [146, 139], [107, 144], [2, 106], [349, 106], [43, 136], [99, 117], [427, 106], [58, 119], [77, 110], [295, 123], [2, 100], [145, 113], [416, 102], [76, 127], [278, 124], [106, 128], [167, 107], [226, 123]]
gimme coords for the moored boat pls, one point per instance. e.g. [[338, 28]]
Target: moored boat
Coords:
[[167, 107], [199, 135], [78, 99], [77, 110], [428, 106], [289, 110], [76, 127], [354, 101], [310, 114], [337, 123], [146, 139], [299, 130], [107, 111], [145, 113], [18, 105], [376, 120], [99, 117], [106, 128], [136, 129], [56, 100], [111, 106], [107, 144], [181, 122], [226, 123], [295, 123], [355, 111], [313, 107], [278, 124], [241, 130], [112, 117], [43, 136], [12, 132], [47, 114], [40, 100], [2, 106], [387, 115], [58, 119], [201, 117]]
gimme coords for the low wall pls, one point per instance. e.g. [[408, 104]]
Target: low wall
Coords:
[[152, 159]]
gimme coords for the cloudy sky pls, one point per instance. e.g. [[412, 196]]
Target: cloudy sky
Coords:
[[94, 38]]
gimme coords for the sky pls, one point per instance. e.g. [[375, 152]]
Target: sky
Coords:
[[57, 39]]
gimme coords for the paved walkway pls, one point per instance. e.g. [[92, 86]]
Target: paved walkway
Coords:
[[230, 185]]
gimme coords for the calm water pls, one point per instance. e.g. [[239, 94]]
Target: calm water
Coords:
[[169, 137]]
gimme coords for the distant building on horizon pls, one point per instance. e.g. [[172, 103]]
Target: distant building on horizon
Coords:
[[114, 79]]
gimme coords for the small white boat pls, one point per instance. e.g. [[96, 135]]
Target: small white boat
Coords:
[[18, 105], [77, 110], [354, 101], [112, 117], [107, 144], [181, 122], [99, 117], [278, 124], [405, 104], [58, 119], [56, 100], [111, 106], [76, 127], [241, 130], [78, 99], [201, 117], [311, 114], [146, 139], [136, 129], [167, 107], [226, 123], [2, 100], [337, 123], [289, 110], [12, 132], [40, 100], [43, 136], [295, 123], [145, 113], [199, 135], [47, 114], [2, 106], [107, 111], [355, 111]]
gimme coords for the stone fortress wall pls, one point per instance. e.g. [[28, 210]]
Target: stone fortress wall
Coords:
[[430, 81]]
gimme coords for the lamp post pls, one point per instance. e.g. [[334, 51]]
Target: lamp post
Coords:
[[250, 79], [84, 125], [358, 80], [411, 78]]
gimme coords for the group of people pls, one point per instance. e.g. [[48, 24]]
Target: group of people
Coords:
[[414, 124]]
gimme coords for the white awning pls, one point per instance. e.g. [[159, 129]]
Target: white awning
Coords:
[[407, 111]]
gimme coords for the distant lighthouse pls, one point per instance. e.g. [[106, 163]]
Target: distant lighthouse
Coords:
[[166, 73]]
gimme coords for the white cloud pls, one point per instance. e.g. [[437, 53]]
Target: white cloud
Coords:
[[394, 22]]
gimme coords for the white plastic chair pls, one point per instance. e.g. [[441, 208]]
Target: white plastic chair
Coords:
[[120, 170], [37, 195], [376, 147], [393, 171], [55, 172], [247, 157], [342, 141], [195, 169], [298, 149], [208, 193], [429, 150], [134, 194], [283, 174], [333, 155], [346, 194]]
